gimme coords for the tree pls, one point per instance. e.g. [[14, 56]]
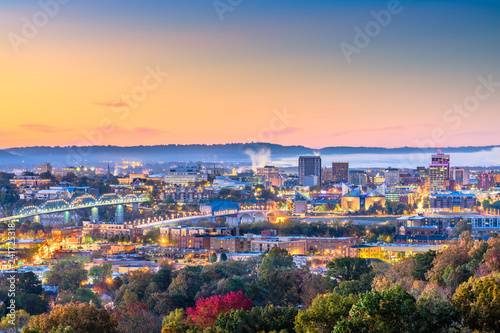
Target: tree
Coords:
[[277, 287], [82, 317], [14, 325], [68, 275], [276, 259], [100, 273], [259, 319], [347, 269], [134, 317], [80, 295], [435, 312], [478, 302], [152, 236], [139, 283], [30, 284], [453, 256], [324, 313], [163, 278], [207, 310], [174, 322], [391, 311], [36, 227], [462, 226], [423, 262], [32, 303]]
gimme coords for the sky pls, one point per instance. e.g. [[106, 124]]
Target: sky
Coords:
[[313, 73]]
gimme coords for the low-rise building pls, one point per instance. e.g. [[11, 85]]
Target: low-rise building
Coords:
[[452, 201], [108, 229], [231, 243]]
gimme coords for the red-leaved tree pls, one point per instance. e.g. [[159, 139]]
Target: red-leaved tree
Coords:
[[207, 310]]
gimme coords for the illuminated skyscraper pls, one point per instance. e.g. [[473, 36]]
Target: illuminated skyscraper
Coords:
[[309, 166], [340, 172], [439, 171]]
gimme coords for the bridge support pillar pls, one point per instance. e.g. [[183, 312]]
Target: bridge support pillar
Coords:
[[232, 221], [119, 215], [95, 214], [67, 217], [36, 218], [135, 206]]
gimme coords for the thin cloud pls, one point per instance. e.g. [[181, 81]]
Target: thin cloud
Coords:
[[115, 104], [41, 128], [139, 131]]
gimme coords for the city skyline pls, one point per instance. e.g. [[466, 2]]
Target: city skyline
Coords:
[[279, 72]]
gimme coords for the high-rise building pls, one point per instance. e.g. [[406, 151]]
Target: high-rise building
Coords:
[[268, 172], [421, 173], [358, 178], [391, 176], [340, 172], [309, 166], [485, 181], [45, 167], [271, 174], [326, 175], [439, 171], [460, 176]]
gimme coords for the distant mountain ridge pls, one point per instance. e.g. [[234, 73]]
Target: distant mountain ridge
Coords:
[[234, 152]]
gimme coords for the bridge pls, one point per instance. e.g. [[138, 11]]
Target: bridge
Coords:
[[233, 217], [80, 202]]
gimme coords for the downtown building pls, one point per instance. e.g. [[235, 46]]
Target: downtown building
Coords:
[[452, 201], [439, 172], [309, 166], [184, 176], [340, 172], [437, 229]]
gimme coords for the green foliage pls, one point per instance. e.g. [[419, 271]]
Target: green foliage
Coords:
[[30, 284], [435, 313], [163, 277], [266, 319], [152, 236], [21, 319], [461, 227], [68, 275], [174, 322], [391, 311], [478, 302], [276, 259], [82, 318], [324, 313], [423, 262], [297, 227], [32, 303], [80, 295], [100, 273], [347, 269]]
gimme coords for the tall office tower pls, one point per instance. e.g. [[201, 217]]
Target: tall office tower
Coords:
[[460, 176], [309, 166], [340, 172], [391, 176], [326, 175], [439, 171], [358, 178]]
